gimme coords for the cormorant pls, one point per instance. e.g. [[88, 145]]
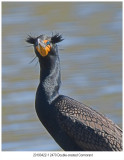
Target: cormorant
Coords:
[[73, 125]]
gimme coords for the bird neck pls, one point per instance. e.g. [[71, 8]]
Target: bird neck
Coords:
[[50, 80]]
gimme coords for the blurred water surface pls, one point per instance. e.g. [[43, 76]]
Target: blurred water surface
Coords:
[[91, 61]]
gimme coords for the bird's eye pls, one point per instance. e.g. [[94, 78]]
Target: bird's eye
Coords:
[[47, 43]]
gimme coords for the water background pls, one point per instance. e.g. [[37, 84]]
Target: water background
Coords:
[[91, 64]]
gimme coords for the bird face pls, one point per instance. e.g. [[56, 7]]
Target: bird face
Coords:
[[44, 45]]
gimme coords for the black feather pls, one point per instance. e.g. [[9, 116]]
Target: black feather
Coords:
[[56, 38], [31, 39]]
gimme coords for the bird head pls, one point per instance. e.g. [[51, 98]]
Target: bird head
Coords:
[[44, 45]]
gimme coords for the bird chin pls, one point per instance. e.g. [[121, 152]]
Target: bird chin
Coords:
[[42, 51]]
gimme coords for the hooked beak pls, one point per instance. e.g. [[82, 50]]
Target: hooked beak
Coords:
[[42, 48]]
